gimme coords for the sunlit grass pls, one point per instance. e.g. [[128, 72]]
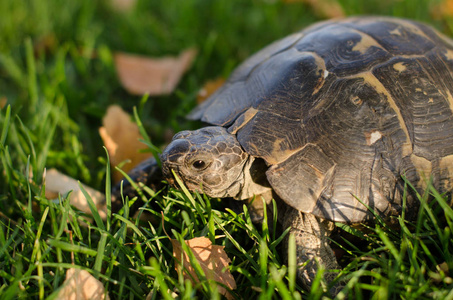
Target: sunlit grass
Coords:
[[57, 74]]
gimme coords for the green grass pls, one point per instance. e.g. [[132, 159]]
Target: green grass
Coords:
[[57, 74]]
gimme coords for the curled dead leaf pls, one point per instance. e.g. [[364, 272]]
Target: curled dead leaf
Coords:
[[81, 285], [121, 137], [59, 183], [323, 8], [154, 76], [123, 5], [209, 88], [212, 258]]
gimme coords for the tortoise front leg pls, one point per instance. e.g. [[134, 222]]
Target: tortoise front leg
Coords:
[[147, 172], [312, 246]]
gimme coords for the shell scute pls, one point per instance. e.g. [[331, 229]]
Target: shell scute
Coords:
[[345, 50], [424, 102], [397, 36], [238, 93], [341, 111]]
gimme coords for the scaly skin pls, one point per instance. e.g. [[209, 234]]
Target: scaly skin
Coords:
[[312, 245], [226, 170]]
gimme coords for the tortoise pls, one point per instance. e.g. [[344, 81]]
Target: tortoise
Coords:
[[330, 121]]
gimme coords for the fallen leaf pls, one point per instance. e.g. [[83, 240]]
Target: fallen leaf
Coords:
[[209, 88], [212, 259], [442, 9], [122, 139], [123, 5], [81, 285], [58, 183], [323, 8], [154, 76]]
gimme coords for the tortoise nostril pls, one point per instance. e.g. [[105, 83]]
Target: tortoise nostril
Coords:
[[182, 135], [174, 150], [168, 174]]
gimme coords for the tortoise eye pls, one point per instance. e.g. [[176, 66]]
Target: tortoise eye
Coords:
[[199, 164]]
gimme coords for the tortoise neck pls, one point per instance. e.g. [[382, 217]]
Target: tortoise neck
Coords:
[[255, 181]]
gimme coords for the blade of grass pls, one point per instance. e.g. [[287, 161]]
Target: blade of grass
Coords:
[[32, 81], [236, 244], [292, 263], [38, 235], [72, 248], [184, 189], [93, 209], [100, 253], [146, 140], [263, 260], [6, 121], [160, 282], [108, 190]]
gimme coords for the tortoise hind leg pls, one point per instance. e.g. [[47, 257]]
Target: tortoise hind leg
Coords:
[[312, 245]]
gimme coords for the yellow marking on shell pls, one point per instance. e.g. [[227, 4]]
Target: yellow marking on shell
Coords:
[[449, 55], [278, 155], [321, 176], [380, 88], [318, 59], [418, 89], [244, 119], [395, 31], [372, 137], [365, 43], [361, 74], [424, 168], [400, 67], [410, 26], [446, 165], [450, 100], [322, 70], [357, 101]]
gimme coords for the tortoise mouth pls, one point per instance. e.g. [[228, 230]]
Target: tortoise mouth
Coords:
[[169, 172], [171, 181]]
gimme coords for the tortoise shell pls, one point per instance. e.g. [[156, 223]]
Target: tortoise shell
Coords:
[[341, 111]]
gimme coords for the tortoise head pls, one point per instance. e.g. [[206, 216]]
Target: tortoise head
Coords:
[[208, 160]]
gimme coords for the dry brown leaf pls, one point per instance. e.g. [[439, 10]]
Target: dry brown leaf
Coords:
[[155, 76], [323, 8], [121, 138], [59, 183], [209, 88], [443, 9], [123, 5], [212, 258], [81, 285]]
